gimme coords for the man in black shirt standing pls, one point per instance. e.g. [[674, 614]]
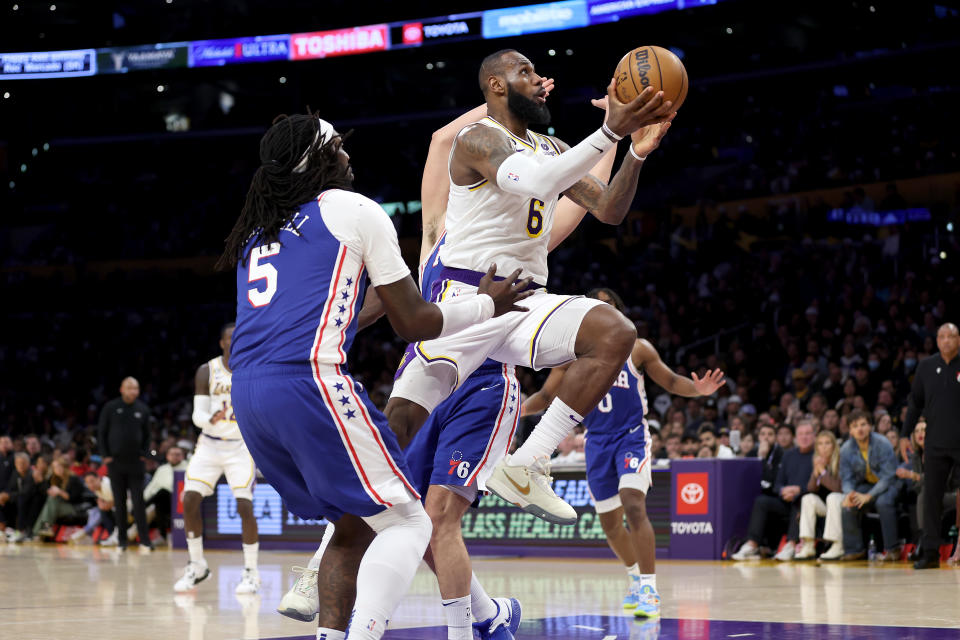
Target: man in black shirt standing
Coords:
[[124, 439], [936, 396]]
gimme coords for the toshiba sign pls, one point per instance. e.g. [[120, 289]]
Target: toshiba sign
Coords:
[[340, 42]]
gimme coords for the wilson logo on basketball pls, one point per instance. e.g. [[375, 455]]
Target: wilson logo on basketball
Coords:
[[693, 493]]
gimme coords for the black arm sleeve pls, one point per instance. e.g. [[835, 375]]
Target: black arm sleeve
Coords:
[[103, 431], [145, 433], [915, 403]]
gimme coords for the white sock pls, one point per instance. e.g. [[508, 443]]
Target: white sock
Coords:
[[195, 549], [315, 560], [388, 567], [649, 579], [330, 634], [634, 570], [558, 421], [483, 605], [250, 555], [457, 611]]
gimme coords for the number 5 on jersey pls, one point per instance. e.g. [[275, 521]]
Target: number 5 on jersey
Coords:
[[264, 271], [535, 219]]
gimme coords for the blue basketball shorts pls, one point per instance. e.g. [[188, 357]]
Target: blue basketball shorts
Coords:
[[617, 461], [469, 432], [320, 442]]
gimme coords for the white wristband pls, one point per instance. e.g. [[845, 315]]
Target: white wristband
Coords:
[[634, 154], [607, 130], [201, 411], [460, 313]]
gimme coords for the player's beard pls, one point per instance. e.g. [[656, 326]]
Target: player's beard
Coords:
[[528, 110]]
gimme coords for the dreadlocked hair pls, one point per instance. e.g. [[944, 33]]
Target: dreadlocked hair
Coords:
[[277, 191]]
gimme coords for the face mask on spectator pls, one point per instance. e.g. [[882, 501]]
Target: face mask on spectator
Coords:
[[909, 363], [873, 364]]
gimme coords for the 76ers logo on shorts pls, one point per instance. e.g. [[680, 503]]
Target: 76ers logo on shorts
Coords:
[[630, 461], [693, 493], [458, 465]]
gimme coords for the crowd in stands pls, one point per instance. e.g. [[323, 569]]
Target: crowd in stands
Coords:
[[46, 483], [817, 326]]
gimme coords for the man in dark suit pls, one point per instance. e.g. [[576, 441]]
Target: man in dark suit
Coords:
[[124, 440]]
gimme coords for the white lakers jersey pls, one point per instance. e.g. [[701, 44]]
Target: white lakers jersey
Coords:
[[486, 224], [221, 381]]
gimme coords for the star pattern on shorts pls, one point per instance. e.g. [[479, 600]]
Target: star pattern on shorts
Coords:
[[344, 294], [339, 321], [350, 413], [342, 308], [338, 386], [344, 400], [349, 281]]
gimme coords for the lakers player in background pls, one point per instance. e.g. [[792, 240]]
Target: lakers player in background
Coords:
[[220, 451], [618, 457]]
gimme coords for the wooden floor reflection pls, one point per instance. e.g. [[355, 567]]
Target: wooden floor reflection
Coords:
[[84, 592]]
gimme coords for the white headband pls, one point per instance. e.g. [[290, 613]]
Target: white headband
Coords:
[[324, 129]]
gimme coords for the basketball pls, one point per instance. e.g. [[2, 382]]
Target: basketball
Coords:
[[651, 67]]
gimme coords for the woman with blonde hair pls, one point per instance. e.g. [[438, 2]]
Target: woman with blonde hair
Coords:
[[64, 496], [824, 498]]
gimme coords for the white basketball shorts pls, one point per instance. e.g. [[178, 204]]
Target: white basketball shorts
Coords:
[[214, 458], [543, 337]]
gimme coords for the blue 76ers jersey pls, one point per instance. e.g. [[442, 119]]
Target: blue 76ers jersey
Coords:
[[298, 299], [623, 408]]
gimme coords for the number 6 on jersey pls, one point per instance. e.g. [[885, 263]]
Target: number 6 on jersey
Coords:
[[265, 271], [535, 219]]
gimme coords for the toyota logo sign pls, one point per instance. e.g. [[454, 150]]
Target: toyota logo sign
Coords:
[[413, 33], [691, 493]]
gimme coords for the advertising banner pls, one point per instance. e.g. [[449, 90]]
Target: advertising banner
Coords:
[[339, 42], [48, 64], [613, 10], [168, 55], [493, 527], [212, 53], [710, 502], [429, 31], [535, 18]]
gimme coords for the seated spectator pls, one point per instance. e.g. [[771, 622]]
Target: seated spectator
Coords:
[[100, 515], [748, 446], [157, 493], [776, 513], [823, 498], [724, 435], [709, 440], [689, 447], [64, 496], [656, 445], [672, 447], [892, 434], [830, 421], [785, 436], [772, 454], [29, 493], [867, 470], [6, 460], [17, 509]]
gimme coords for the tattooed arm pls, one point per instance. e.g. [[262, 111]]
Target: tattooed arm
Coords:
[[611, 202]]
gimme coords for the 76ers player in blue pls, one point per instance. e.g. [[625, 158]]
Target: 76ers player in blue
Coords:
[[304, 246], [618, 458]]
